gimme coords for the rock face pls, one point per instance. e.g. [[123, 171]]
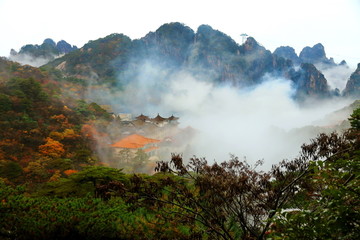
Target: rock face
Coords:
[[216, 53], [288, 53], [353, 85], [310, 82], [172, 42]]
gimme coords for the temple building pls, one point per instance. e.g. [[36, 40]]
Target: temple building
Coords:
[[135, 142], [143, 118], [158, 120]]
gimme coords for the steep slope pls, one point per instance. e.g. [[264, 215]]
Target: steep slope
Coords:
[[215, 52], [353, 85], [310, 82], [41, 132], [169, 44], [97, 60]]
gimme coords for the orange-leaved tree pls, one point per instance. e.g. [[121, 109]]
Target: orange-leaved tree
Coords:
[[52, 148]]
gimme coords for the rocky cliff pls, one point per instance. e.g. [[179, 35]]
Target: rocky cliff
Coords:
[[353, 85], [310, 82]]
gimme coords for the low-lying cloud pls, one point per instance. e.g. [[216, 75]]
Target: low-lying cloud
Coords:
[[262, 122], [336, 76], [26, 59], [256, 123]]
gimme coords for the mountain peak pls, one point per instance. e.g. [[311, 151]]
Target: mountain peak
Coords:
[[287, 52], [50, 42], [63, 47], [319, 47], [252, 45], [315, 54]]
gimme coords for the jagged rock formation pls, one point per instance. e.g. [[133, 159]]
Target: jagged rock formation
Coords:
[[353, 85], [288, 53], [315, 55], [37, 55], [343, 63], [209, 53], [310, 82], [215, 52], [63, 47]]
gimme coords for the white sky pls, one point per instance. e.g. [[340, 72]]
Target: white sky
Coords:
[[273, 23]]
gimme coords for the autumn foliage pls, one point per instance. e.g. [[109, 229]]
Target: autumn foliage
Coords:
[[40, 127], [52, 148], [69, 172]]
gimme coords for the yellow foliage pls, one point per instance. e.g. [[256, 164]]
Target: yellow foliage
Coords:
[[36, 168], [52, 148], [70, 133], [56, 136], [67, 109], [55, 177], [59, 118]]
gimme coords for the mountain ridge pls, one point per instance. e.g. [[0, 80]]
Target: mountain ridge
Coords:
[[37, 55], [116, 59]]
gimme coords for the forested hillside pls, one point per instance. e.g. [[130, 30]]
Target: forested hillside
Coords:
[[42, 132]]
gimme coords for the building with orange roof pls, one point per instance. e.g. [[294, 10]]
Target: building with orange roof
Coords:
[[136, 142]]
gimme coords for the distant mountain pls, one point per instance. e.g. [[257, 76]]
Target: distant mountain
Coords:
[[288, 53], [353, 85], [37, 55], [315, 55], [209, 53]]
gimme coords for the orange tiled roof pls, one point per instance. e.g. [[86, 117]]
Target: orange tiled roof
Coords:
[[134, 141]]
